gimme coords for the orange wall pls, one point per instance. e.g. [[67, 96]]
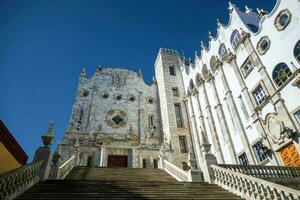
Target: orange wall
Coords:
[[7, 161]]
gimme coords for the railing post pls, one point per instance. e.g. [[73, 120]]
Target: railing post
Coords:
[[44, 153]]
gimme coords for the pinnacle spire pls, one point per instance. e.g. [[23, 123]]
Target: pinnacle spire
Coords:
[[82, 72]]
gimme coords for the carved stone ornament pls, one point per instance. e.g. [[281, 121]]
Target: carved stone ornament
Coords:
[[118, 81], [275, 128], [116, 118]]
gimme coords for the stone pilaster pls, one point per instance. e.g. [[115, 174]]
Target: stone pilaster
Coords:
[[237, 117], [215, 138], [195, 127], [223, 121], [211, 122]]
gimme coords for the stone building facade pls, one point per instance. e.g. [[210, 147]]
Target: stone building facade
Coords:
[[240, 94], [116, 121]]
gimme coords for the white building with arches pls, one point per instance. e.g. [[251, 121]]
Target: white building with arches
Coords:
[[243, 90]]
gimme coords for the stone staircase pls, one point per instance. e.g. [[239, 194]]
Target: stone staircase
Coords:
[[123, 183]]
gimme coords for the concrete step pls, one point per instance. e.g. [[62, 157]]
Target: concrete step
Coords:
[[123, 183]]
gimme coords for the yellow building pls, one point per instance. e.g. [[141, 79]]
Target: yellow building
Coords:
[[12, 155]]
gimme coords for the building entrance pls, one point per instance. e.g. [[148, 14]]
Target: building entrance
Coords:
[[290, 155], [117, 161]]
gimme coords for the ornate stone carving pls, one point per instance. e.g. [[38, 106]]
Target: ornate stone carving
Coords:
[[118, 80], [275, 127]]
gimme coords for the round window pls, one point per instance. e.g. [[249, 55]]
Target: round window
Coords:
[[105, 95], [150, 100], [131, 98], [118, 97]]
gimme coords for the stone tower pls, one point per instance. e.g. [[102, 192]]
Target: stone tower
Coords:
[[175, 124]]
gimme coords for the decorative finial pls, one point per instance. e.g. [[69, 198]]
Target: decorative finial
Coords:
[[248, 10], [82, 73], [99, 69], [202, 45], [140, 74], [210, 37], [231, 6], [261, 12], [182, 54], [196, 54], [48, 137], [219, 24]]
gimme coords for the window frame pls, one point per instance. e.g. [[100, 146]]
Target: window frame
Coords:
[[260, 84], [279, 80], [261, 51], [294, 51], [243, 159], [223, 49], [244, 72], [259, 154], [172, 71], [278, 18], [179, 116], [183, 144], [235, 39]]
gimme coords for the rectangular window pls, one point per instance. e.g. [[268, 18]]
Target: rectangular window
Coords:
[[259, 94], [183, 144], [258, 151], [172, 71], [297, 116], [175, 91], [243, 159], [144, 163], [185, 166], [155, 163], [178, 114], [247, 67]]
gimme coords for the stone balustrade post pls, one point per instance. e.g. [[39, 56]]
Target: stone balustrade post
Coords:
[[44, 153]]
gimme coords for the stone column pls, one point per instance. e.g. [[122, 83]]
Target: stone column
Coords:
[[215, 137], [195, 139], [194, 124], [223, 121], [236, 117]]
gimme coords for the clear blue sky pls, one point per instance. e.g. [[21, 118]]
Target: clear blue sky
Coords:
[[44, 44]]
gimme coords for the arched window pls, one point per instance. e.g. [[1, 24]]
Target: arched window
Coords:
[[204, 71], [281, 73], [223, 51], [213, 63], [198, 79], [187, 69], [253, 27], [297, 51], [235, 38], [192, 84]]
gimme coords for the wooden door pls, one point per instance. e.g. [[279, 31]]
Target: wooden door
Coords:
[[290, 155], [117, 161]]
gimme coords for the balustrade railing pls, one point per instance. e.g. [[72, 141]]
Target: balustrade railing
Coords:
[[251, 187], [264, 171], [175, 171], [17, 181], [66, 167]]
